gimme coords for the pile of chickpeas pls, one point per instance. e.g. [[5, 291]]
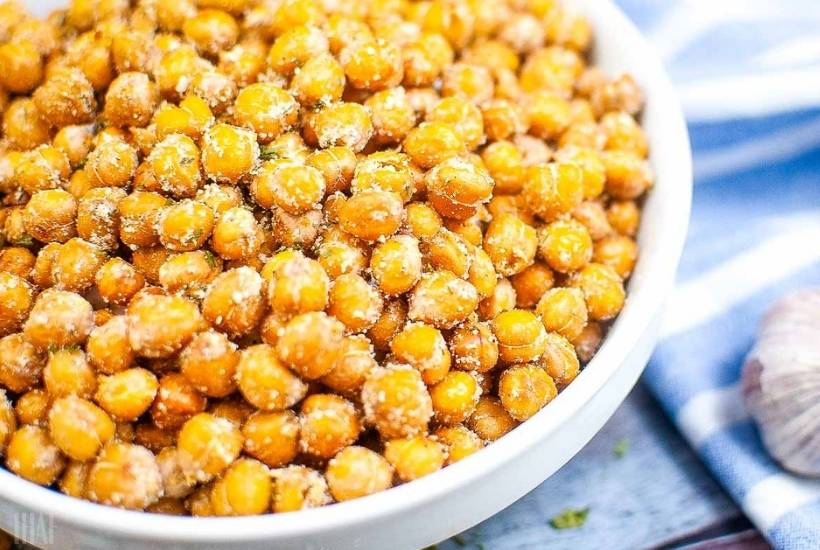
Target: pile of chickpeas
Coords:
[[265, 255]]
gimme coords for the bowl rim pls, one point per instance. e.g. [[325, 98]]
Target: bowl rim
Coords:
[[643, 304]]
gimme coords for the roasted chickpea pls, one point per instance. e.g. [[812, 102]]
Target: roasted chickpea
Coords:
[[457, 186], [442, 300], [298, 488], [245, 489], [234, 301], [421, 220], [423, 347], [266, 109], [295, 47], [525, 389], [618, 252], [17, 260], [474, 347], [149, 262], [354, 361], [342, 124], [521, 336], [624, 217], [59, 318], [354, 302], [127, 394], [265, 382], [329, 423], [45, 167], [564, 311], [459, 442], [32, 407], [371, 215], [208, 445], [396, 401], [32, 455], [118, 281], [21, 67], [131, 100], [490, 420], [272, 437], [76, 264], [159, 326], [511, 244], [191, 117], [224, 168], [126, 476], [565, 245], [372, 65], [185, 226], [603, 290], [16, 300], [237, 235], [66, 97], [531, 284], [211, 31], [309, 343], [627, 175], [336, 164], [414, 457], [111, 164], [98, 217], [356, 472], [297, 285], [176, 401], [68, 372], [108, 348], [588, 342], [396, 264], [551, 190], [23, 126], [455, 397], [79, 427], [592, 215], [21, 363], [560, 360], [430, 143]]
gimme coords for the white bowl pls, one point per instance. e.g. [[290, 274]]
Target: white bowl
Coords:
[[436, 507]]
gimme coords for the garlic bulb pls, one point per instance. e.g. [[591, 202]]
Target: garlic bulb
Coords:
[[781, 382]]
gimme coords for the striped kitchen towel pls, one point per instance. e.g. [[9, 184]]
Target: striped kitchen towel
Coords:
[[748, 73]]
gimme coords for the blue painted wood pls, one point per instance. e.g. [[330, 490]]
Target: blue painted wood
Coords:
[[657, 492]]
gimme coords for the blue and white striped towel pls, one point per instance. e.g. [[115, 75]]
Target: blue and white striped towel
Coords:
[[748, 72]]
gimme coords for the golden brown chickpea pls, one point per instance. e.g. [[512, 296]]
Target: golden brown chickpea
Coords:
[[68, 372], [23, 126], [211, 31], [98, 218], [551, 190], [554, 67], [208, 445], [627, 175], [588, 342], [452, 18], [21, 67], [217, 89], [471, 82], [565, 245], [75, 264], [32, 408], [296, 46], [386, 171], [624, 217], [511, 244], [396, 264], [356, 472], [20, 363], [224, 168], [564, 311], [127, 394], [502, 299], [131, 100], [423, 348], [354, 361], [490, 420], [191, 118], [42, 168], [371, 215], [425, 59], [79, 427], [459, 442], [175, 163], [354, 302], [560, 360], [463, 116], [108, 348], [341, 124], [74, 479], [237, 235], [176, 401], [422, 220], [292, 187], [111, 164], [309, 344], [587, 135], [185, 226], [474, 347], [59, 318], [455, 397], [396, 401], [414, 457], [220, 198], [549, 114], [8, 422], [66, 97], [245, 489], [296, 231], [266, 109], [603, 290], [265, 382], [16, 259], [340, 253], [372, 65], [448, 251], [591, 165], [16, 300], [531, 284], [592, 215], [244, 62], [393, 317], [159, 326], [272, 437], [392, 114], [233, 302], [298, 284], [148, 435], [525, 389], [618, 252], [176, 68], [503, 119], [457, 186], [298, 488], [149, 261], [441, 299], [139, 213], [336, 165], [523, 32], [329, 423], [209, 363], [521, 336], [117, 281], [126, 476], [189, 272], [32, 455], [430, 143]]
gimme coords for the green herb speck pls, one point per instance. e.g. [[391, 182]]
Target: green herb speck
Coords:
[[570, 518], [459, 540], [621, 448], [209, 257], [267, 152]]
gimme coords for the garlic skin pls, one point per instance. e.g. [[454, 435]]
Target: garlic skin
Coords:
[[781, 382]]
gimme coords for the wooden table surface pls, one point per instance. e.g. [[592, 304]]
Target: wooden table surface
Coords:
[[656, 495]]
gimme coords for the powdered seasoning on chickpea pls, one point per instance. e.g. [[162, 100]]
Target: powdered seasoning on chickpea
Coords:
[[262, 257]]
